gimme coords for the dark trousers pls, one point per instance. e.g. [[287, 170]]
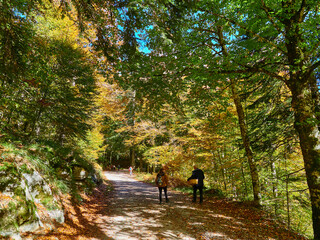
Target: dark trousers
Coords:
[[165, 193], [195, 188]]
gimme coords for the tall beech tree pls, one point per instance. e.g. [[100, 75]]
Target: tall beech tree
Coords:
[[242, 122], [287, 35]]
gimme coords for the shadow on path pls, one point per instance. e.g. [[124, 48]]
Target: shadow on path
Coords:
[[136, 214], [132, 211], [82, 219]]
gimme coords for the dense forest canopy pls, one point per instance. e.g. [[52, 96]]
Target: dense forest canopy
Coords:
[[231, 86]]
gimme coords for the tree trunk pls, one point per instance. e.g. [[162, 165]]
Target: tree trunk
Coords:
[[243, 128], [36, 120], [244, 179], [140, 163], [274, 185], [288, 201], [306, 125], [246, 143], [132, 157], [222, 172]]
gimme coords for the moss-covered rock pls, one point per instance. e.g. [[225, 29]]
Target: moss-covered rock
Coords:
[[26, 200]]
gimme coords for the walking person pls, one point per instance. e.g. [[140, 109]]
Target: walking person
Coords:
[[199, 176], [130, 170], [162, 184]]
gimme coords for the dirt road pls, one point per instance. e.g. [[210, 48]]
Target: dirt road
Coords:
[[135, 213], [131, 211]]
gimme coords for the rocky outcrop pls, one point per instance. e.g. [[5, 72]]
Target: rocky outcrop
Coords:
[[27, 202]]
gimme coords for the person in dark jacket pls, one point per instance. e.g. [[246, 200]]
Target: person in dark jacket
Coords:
[[199, 175], [162, 184]]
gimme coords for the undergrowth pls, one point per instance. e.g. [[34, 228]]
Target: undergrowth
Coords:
[[52, 163]]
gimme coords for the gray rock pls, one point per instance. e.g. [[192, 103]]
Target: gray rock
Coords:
[[30, 227], [58, 215], [25, 190], [16, 236]]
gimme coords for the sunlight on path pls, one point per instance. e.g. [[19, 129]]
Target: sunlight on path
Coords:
[[137, 214], [134, 212]]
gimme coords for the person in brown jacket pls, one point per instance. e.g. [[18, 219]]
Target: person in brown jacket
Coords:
[[162, 183]]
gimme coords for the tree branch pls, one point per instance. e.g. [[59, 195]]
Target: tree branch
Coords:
[[267, 10], [250, 70], [246, 29], [300, 16], [313, 50], [311, 69]]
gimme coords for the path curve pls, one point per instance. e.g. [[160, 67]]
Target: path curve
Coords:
[[135, 213]]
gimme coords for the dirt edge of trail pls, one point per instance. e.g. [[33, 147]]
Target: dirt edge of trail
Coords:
[[80, 217]]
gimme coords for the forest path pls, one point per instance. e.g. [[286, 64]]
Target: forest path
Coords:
[[132, 211], [135, 213]]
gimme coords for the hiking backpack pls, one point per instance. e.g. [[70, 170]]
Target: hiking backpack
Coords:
[[160, 181]]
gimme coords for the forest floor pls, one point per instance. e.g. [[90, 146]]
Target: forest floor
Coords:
[[132, 211]]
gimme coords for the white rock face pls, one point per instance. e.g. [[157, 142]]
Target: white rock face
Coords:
[[31, 182], [28, 211], [58, 215]]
